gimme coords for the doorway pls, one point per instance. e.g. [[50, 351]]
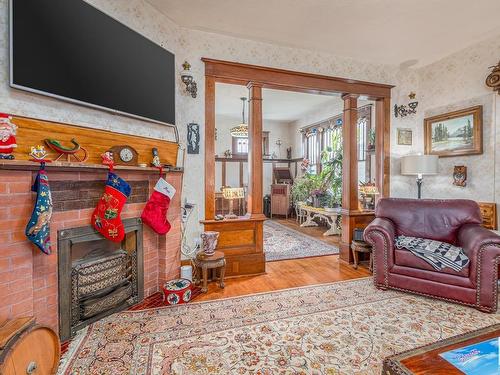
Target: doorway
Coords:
[[242, 237]]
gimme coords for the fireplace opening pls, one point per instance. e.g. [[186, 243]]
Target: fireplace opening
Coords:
[[97, 277]]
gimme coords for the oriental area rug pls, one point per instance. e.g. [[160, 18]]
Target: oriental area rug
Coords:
[[346, 327], [282, 242]]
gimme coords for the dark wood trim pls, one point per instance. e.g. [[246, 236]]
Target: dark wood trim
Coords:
[[350, 157], [350, 201], [209, 147], [382, 146], [255, 162], [289, 80]]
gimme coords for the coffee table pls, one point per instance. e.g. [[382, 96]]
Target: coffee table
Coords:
[[426, 359]]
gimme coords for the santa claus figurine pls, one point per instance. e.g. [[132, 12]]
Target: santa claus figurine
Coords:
[[7, 136]]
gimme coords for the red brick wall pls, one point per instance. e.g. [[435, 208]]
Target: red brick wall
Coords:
[[28, 278]]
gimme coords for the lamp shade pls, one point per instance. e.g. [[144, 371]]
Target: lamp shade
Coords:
[[419, 164]]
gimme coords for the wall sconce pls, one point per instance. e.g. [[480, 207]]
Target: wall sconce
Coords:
[[403, 110], [187, 78], [493, 80]]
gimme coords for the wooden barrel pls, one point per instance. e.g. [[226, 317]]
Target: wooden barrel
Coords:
[[30, 349]]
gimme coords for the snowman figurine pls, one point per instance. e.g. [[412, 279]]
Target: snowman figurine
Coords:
[[7, 137]]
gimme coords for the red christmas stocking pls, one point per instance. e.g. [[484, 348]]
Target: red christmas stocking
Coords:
[[155, 212], [106, 217]]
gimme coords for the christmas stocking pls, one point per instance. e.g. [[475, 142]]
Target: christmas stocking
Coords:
[[155, 212], [106, 217], [38, 230]]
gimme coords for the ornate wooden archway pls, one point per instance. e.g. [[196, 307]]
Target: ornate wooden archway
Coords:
[[242, 239]]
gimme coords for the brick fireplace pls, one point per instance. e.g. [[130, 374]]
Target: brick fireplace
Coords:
[[29, 278]]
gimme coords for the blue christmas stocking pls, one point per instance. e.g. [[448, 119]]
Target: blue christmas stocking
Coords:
[[38, 230]]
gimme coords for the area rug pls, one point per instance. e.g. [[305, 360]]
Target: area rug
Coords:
[[340, 328], [282, 242]]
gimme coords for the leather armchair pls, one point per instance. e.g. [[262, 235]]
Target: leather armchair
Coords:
[[455, 221]]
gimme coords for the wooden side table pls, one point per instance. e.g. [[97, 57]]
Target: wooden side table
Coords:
[[361, 247], [203, 263]]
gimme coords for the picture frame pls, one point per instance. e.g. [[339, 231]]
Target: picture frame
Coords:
[[405, 136], [455, 133]]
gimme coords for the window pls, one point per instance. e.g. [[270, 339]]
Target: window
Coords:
[[240, 146], [317, 138]]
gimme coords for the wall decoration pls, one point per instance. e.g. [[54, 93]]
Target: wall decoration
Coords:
[[8, 132], [455, 133], [460, 175], [493, 79], [78, 153], [187, 78], [193, 139], [405, 137], [410, 109]]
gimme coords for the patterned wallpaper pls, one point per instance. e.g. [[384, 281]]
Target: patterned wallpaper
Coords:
[[454, 83], [443, 82]]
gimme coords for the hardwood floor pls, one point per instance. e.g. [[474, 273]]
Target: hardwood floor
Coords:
[[290, 273], [284, 274], [316, 232]]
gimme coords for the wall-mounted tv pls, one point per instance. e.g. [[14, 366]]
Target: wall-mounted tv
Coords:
[[70, 50]]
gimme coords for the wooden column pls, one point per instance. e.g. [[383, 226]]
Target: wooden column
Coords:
[[350, 159], [382, 146], [209, 148], [255, 162], [350, 203]]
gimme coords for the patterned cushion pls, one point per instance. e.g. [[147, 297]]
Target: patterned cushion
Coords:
[[437, 253]]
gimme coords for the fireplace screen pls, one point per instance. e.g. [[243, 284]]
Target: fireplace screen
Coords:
[[97, 277]]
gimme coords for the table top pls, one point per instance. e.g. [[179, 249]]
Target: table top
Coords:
[[202, 257], [321, 210], [426, 359]]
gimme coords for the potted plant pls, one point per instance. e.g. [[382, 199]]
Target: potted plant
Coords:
[[371, 140], [301, 189]]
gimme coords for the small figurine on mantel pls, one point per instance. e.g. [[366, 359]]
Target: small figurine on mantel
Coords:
[[38, 153], [8, 132], [107, 158], [156, 158]]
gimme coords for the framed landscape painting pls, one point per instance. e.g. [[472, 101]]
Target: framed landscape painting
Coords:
[[455, 133]]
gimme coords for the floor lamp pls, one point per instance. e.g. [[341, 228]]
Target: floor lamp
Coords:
[[419, 165]]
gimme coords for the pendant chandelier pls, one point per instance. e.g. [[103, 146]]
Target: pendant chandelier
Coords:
[[241, 131]]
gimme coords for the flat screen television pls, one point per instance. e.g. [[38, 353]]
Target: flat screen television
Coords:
[[70, 50]]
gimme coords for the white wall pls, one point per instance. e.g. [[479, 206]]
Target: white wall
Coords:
[[453, 83]]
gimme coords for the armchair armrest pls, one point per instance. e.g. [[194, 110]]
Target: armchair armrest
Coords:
[[384, 226], [380, 234], [471, 237], [483, 249]]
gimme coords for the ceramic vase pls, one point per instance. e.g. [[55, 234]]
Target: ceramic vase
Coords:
[[209, 242]]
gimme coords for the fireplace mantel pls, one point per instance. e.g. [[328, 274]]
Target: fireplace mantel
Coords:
[[24, 165]]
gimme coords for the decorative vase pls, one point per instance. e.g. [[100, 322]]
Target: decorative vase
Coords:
[[209, 242]]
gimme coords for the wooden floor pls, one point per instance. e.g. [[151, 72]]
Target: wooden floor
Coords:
[[316, 232], [291, 273], [284, 274]]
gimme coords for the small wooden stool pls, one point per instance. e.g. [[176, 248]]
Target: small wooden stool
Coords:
[[361, 247], [203, 262]]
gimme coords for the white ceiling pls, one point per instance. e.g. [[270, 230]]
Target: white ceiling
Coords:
[[277, 105], [382, 31]]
